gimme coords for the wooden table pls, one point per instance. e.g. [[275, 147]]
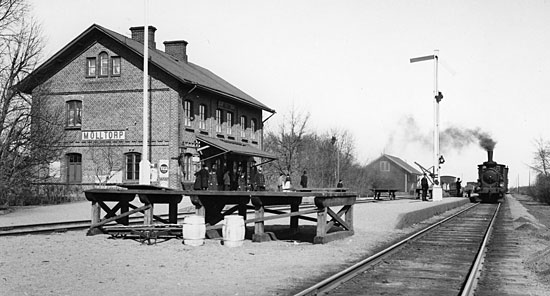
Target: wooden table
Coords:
[[389, 191], [323, 200], [123, 199]]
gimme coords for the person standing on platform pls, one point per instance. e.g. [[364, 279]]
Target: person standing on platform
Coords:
[[281, 182], [288, 184], [226, 180], [259, 183], [424, 184], [303, 180], [340, 184], [204, 176], [458, 188], [212, 178]]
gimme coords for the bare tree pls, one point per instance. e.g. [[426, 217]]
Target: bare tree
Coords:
[[286, 143], [541, 161], [106, 162], [30, 128]]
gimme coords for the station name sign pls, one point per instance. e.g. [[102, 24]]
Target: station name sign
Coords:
[[103, 135]]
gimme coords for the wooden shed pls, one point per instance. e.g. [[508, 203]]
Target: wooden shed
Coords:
[[391, 172]]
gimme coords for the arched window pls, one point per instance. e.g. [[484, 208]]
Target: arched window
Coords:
[[103, 64], [74, 114], [74, 168], [132, 166]]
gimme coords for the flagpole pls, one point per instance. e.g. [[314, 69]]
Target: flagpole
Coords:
[[145, 165]]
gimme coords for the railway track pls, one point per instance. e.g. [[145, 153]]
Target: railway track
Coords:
[[438, 260], [56, 227]]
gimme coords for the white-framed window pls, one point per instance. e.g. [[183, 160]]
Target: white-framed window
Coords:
[[384, 166], [219, 120], [115, 66], [202, 116], [229, 123], [187, 112], [91, 67], [74, 114], [103, 64], [243, 126], [132, 166], [187, 167], [253, 129]]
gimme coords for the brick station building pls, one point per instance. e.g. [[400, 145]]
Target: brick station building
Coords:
[[194, 115]]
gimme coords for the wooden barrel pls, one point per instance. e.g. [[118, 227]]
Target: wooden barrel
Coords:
[[233, 231], [193, 230]]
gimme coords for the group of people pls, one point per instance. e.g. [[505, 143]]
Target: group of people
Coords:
[[227, 180]]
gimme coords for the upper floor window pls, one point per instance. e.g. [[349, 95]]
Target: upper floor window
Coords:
[[187, 112], [384, 166], [243, 126], [132, 166], [90, 67], [74, 168], [103, 64], [253, 129], [229, 121], [218, 120], [115, 66], [202, 116], [74, 114]]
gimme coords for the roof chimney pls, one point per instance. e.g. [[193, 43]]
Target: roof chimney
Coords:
[[137, 34], [177, 49]]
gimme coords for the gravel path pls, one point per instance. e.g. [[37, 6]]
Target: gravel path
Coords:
[[75, 264]]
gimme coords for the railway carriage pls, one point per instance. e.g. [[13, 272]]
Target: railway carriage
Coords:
[[492, 180]]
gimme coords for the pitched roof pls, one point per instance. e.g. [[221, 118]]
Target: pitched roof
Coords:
[[398, 161], [185, 72]]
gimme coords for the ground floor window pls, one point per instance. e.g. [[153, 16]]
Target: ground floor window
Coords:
[[132, 166], [74, 168], [187, 167]]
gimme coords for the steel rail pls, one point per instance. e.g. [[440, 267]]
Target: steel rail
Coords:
[[471, 282], [350, 272]]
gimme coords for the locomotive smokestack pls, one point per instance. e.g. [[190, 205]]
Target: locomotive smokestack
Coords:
[[489, 155]]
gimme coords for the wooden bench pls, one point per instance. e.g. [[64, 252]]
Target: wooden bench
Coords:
[[389, 191]]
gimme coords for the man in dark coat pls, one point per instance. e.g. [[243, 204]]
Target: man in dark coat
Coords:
[[303, 180], [424, 185], [458, 187], [259, 182], [202, 178]]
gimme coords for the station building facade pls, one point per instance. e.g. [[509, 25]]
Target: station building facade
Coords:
[[195, 117]]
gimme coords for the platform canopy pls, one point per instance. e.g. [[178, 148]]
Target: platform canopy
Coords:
[[234, 147]]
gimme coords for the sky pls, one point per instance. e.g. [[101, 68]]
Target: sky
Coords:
[[347, 64]]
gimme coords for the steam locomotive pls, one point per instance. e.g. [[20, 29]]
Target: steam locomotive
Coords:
[[492, 180]]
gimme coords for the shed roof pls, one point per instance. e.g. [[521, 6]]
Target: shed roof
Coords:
[[185, 72], [401, 163]]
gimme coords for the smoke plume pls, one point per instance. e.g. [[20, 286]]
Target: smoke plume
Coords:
[[451, 138]]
